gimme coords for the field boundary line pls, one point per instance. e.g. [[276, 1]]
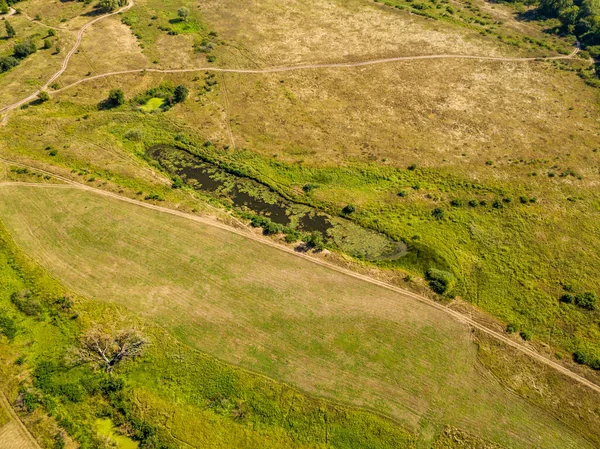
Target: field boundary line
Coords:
[[407, 293], [22, 428]]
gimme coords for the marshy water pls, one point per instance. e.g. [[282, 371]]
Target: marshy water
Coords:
[[248, 195]]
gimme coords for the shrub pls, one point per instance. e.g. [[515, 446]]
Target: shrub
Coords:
[[116, 97], [134, 135], [349, 209], [456, 203], [525, 335], [309, 187], [24, 49], [402, 193], [497, 204], [154, 196], [438, 213], [47, 44], [585, 358], [511, 328], [473, 203], [567, 298], [440, 281], [412, 167], [8, 326], [177, 183], [10, 31], [292, 236], [43, 96], [315, 240], [180, 94], [270, 228], [8, 63], [25, 303], [586, 300]]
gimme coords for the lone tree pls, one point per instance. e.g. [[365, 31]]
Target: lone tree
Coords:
[[180, 94], [116, 97], [107, 348], [10, 31], [43, 96], [183, 13]]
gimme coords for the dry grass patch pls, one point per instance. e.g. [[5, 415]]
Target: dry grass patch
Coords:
[[107, 46], [11, 437]]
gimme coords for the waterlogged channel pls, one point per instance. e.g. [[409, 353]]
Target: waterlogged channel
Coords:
[[248, 195]]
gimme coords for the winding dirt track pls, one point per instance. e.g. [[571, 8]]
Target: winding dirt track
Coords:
[[406, 293], [317, 66]]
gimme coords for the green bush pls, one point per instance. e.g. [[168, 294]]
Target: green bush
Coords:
[[525, 335], [567, 298], [180, 94], [7, 63], [116, 97], [8, 326], [586, 300], [24, 49], [349, 209], [26, 303], [440, 281], [438, 213], [586, 358], [315, 240]]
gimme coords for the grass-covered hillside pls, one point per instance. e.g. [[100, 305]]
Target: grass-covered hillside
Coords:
[[450, 147]]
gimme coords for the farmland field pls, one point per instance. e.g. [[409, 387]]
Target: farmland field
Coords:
[[337, 337], [12, 435]]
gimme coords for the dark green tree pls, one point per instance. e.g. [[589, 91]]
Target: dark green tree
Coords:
[[180, 94], [24, 49], [10, 31], [43, 96], [116, 97]]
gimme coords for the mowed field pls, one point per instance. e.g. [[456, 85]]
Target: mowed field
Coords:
[[12, 435], [276, 314]]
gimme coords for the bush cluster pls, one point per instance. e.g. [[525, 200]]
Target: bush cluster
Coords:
[[20, 51], [585, 300], [440, 281]]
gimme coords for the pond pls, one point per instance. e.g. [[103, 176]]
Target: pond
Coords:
[[249, 195]]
